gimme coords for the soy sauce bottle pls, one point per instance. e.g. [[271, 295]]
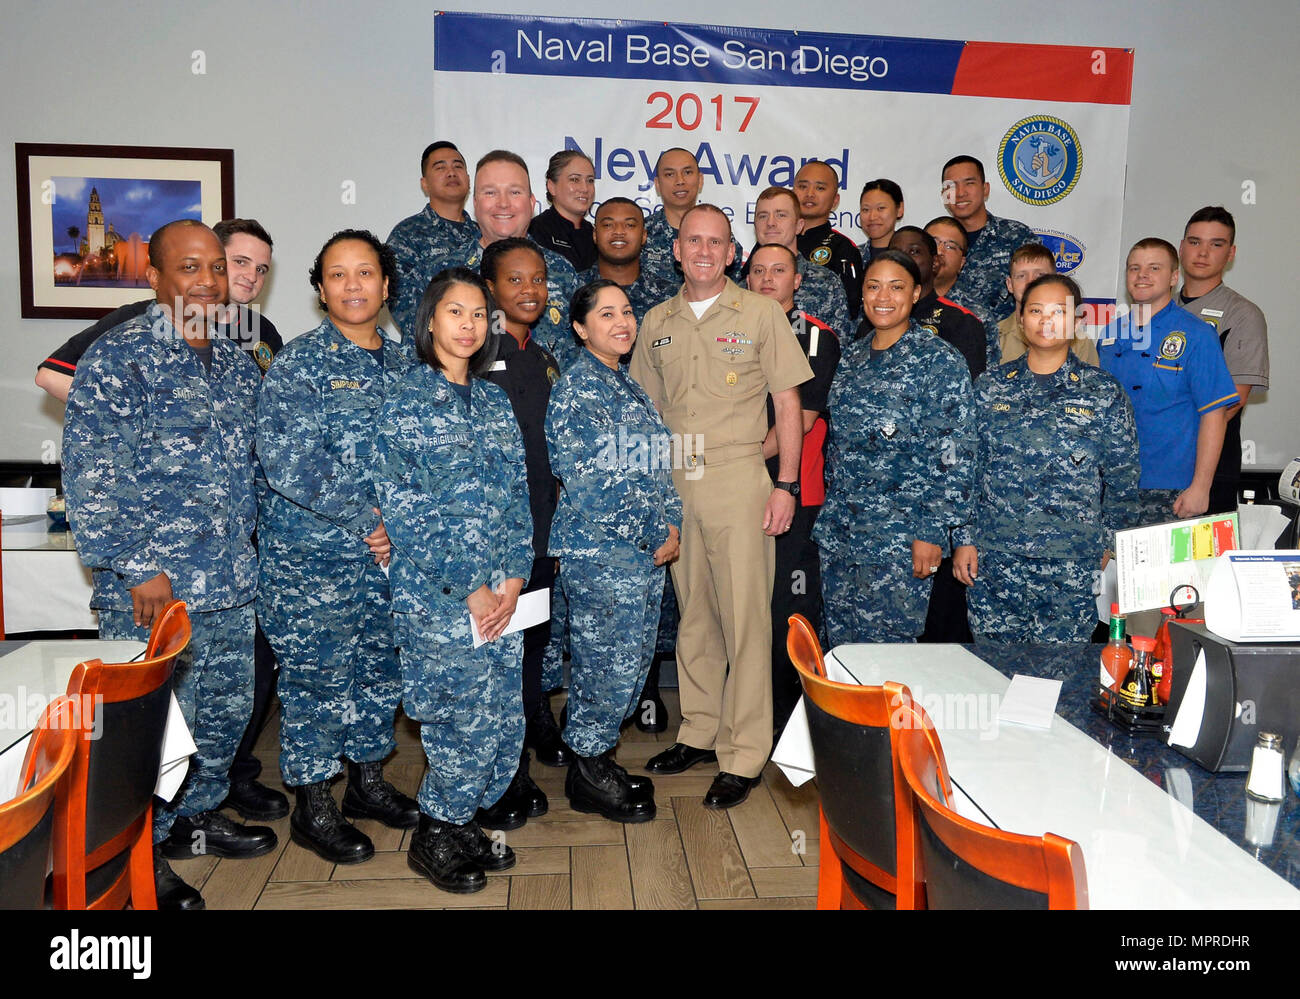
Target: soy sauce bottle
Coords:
[[1135, 691]]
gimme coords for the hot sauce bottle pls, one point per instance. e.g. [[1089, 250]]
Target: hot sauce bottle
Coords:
[[1116, 657]]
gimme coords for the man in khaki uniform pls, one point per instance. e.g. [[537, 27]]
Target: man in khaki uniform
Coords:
[[1029, 262], [709, 357]]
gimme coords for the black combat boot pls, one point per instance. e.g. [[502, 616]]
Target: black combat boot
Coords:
[[213, 833], [174, 895], [369, 796], [439, 852], [490, 854], [530, 797], [317, 824], [542, 735], [598, 785]]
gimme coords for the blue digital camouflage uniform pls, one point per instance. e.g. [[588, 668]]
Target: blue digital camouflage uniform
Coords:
[[323, 602], [1056, 474], [658, 262], [898, 469], [613, 455], [456, 508], [421, 243], [643, 294], [982, 284], [821, 294], [158, 472], [552, 330]]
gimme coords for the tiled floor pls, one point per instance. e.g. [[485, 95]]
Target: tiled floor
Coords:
[[760, 855]]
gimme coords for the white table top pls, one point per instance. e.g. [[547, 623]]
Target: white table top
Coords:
[[1142, 848], [46, 588], [34, 673], [30, 532]]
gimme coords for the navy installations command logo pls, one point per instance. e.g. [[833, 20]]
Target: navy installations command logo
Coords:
[[1040, 160], [1068, 251]]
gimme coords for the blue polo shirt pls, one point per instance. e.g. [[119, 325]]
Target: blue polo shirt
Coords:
[[1173, 371]]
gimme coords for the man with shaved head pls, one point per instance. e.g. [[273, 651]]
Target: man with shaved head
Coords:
[[709, 357], [158, 472]]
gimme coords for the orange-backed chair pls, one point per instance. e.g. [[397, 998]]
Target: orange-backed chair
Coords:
[[171, 622], [865, 815], [27, 822], [103, 837], [960, 864]]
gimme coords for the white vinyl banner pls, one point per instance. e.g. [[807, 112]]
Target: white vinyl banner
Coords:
[[1049, 123]]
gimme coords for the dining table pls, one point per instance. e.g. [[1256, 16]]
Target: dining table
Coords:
[[46, 587], [1156, 829], [34, 673]]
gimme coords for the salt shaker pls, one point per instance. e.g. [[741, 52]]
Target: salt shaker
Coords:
[[1267, 768]]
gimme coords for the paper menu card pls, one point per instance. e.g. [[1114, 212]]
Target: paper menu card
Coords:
[[1152, 561]]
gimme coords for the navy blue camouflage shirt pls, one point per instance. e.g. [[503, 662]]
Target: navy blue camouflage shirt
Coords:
[[898, 455], [1056, 469], [613, 455], [159, 466], [421, 243], [451, 488], [316, 420]]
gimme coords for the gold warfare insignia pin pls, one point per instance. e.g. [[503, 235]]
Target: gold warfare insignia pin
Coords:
[[732, 378], [1074, 376]]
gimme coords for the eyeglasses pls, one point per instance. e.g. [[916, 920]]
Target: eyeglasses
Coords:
[[948, 244]]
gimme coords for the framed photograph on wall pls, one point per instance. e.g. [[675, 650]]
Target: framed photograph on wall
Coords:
[[85, 215]]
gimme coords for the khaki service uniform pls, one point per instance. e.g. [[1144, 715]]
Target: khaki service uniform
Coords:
[[710, 378], [1011, 339]]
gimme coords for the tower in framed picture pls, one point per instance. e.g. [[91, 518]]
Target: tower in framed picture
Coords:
[[94, 224]]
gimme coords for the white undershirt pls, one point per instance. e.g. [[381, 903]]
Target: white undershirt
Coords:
[[699, 308]]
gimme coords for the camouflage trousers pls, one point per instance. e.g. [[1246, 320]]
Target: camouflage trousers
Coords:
[[557, 647], [213, 684], [1020, 600], [872, 602], [469, 703], [1156, 506], [614, 620], [669, 618], [329, 621]]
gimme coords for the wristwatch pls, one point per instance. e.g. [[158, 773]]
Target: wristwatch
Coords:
[[791, 487]]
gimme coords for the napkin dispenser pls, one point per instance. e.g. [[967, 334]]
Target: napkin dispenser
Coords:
[[1225, 693]]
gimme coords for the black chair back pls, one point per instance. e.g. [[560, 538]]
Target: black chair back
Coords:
[[855, 778], [24, 865], [123, 764], [952, 883]]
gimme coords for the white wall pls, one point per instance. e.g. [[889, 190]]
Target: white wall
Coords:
[[312, 95]]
